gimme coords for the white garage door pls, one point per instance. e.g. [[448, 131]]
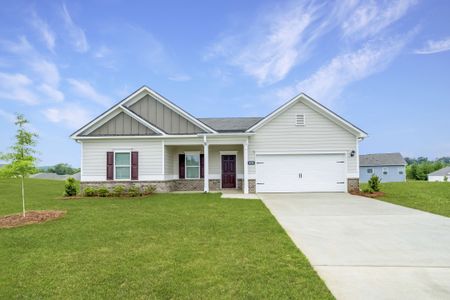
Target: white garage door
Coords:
[[300, 173]]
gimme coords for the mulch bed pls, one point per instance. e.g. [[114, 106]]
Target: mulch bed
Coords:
[[370, 195], [31, 217]]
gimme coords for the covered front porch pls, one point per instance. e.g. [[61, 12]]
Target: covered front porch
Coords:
[[207, 165]]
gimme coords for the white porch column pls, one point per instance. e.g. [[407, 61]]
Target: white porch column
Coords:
[[246, 167], [205, 165]]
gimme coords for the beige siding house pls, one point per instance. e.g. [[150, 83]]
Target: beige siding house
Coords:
[[146, 139]]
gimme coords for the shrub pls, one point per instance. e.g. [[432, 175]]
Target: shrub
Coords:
[[374, 183], [90, 191], [149, 189], [367, 190], [70, 188], [118, 190], [133, 191], [103, 192]]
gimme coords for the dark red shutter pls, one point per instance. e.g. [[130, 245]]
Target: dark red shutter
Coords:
[[202, 166], [109, 165], [134, 165], [181, 166]]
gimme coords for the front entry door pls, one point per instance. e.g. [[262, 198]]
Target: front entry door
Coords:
[[228, 171]]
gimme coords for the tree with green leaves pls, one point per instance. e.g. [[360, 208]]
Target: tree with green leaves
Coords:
[[21, 158]]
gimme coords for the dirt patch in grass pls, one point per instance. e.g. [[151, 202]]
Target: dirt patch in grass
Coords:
[[31, 217], [370, 195]]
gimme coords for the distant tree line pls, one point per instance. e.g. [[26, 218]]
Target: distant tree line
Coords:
[[60, 169], [419, 168]]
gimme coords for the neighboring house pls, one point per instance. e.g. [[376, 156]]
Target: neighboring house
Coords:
[[146, 139], [440, 175], [390, 167]]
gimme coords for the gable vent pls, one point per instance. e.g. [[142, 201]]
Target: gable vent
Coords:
[[300, 120]]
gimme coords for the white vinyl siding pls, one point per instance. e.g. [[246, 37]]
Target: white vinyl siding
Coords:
[[94, 157], [168, 160], [281, 135], [214, 159]]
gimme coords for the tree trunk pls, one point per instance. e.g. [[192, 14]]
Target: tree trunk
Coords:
[[23, 199]]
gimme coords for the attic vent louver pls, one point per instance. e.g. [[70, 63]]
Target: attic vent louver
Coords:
[[300, 120]]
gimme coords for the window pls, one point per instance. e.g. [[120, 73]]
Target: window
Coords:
[[385, 171], [192, 163], [300, 120], [400, 171], [370, 171], [122, 165]]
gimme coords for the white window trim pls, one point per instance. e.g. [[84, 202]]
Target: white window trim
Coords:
[[400, 169], [369, 169], [186, 166], [385, 169], [114, 163]]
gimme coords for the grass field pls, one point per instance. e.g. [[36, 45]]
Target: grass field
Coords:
[[194, 246], [428, 196]]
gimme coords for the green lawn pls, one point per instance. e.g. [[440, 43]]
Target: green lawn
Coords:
[[429, 196], [163, 246]]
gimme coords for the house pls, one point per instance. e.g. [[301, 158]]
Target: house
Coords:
[[389, 167], [146, 139], [440, 175]]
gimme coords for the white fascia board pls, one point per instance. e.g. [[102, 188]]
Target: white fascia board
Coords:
[[318, 107], [172, 106], [104, 115], [334, 117], [133, 98]]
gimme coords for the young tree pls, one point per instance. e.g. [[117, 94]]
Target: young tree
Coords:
[[21, 158]]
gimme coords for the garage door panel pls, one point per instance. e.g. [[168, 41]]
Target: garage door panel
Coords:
[[300, 173]]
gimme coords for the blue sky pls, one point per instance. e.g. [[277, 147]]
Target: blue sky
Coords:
[[383, 65]]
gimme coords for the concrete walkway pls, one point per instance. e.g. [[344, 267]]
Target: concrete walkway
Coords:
[[368, 249]]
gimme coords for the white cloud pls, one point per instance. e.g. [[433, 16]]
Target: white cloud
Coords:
[[43, 29], [102, 52], [435, 46], [9, 117], [72, 115], [180, 77], [77, 35], [278, 40], [21, 47], [51, 92], [327, 83], [17, 87], [371, 17], [87, 91], [47, 71]]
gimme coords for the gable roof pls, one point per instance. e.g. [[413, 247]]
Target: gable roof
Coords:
[[317, 107], [441, 172], [210, 125], [237, 124], [144, 90], [381, 159]]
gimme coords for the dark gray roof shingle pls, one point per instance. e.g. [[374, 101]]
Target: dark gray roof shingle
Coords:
[[381, 159], [441, 172], [239, 124]]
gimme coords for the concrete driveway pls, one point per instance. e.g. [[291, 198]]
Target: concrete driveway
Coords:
[[368, 249]]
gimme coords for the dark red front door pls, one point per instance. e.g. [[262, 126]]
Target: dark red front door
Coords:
[[228, 171]]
